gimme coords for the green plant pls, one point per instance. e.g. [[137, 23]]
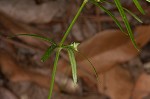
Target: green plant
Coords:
[[73, 47]]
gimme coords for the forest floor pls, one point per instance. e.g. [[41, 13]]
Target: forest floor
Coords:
[[124, 73]]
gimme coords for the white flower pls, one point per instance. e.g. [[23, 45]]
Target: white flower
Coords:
[[148, 0], [75, 46]]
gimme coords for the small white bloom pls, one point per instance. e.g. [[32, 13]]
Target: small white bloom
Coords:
[[75, 46], [148, 0], [97, 0]]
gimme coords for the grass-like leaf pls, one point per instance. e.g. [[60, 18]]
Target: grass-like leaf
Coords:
[[73, 64], [126, 22], [48, 52], [128, 11], [132, 14], [109, 13], [73, 47], [138, 6], [36, 36], [54, 73], [94, 69]]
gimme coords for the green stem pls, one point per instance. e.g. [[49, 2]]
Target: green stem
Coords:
[[72, 23], [60, 45], [54, 72]]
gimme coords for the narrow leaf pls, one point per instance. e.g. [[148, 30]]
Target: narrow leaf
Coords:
[[36, 36], [73, 64], [110, 14], [54, 73], [126, 22], [94, 69], [136, 17], [128, 11], [48, 52], [138, 6]]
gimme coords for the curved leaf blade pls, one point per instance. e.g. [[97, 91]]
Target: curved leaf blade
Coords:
[[94, 69], [132, 14], [128, 11], [138, 6], [48, 52], [73, 64], [126, 22], [110, 14], [36, 36]]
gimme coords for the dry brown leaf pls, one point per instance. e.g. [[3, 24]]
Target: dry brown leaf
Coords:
[[142, 87], [6, 94], [20, 28], [15, 73], [87, 96], [111, 47], [116, 83], [100, 46], [29, 12], [106, 50]]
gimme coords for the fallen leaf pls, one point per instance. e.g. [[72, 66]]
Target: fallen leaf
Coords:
[[15, 73], [142, 87], [19, 28], [6, 94], [29, 12], [87, 96], [111, 47], [106, 50], [116, 83]]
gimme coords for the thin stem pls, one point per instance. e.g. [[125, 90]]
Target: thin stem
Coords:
[[54, 72], [60, 45], [72, 23]]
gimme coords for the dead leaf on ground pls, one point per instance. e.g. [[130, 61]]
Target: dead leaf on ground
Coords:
[[29, 12], [7, 94], [142, 86], [87, 96], [15, 73], [14, 27], [106, 50], [111, 47], [116, 83]]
